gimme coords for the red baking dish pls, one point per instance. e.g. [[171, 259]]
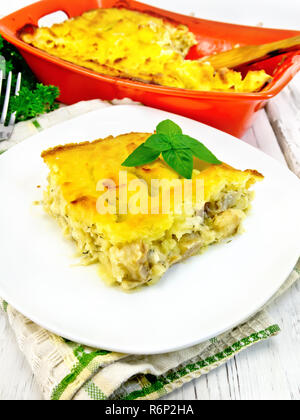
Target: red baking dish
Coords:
[[230, 112]]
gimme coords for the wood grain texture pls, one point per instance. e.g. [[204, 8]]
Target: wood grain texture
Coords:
[[284, 115]]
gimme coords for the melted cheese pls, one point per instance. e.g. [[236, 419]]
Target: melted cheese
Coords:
[[133, 45], [135, 249]]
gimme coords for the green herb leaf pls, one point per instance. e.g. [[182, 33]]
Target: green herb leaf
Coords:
[[141, 156], [33, 102], [158, 142], [169, 129], [200, 151], [181, 160]]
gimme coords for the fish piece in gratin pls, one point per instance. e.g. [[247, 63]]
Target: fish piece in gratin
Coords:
[[133, 45], [136, 248]]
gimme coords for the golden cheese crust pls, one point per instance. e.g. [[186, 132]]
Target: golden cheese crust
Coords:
[[128, 44], [77, 169]]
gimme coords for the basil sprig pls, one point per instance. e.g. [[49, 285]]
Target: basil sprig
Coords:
[[176, 148]]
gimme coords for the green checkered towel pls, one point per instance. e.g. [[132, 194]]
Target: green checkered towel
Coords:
[[66, 370]]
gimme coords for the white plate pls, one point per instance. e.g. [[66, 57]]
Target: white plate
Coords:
[[194, 301]]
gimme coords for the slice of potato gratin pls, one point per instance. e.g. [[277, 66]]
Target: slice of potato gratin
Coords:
[[137, 247]]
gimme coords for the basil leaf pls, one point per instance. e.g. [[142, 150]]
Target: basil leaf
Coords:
[[169, 129], [200, 151], [158, 142], [141, 156], [181, 160]]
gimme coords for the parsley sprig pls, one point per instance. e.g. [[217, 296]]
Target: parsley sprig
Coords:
[[34, 98], [176, 148]]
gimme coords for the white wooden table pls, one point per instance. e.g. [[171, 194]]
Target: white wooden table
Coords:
[[269, 370]]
